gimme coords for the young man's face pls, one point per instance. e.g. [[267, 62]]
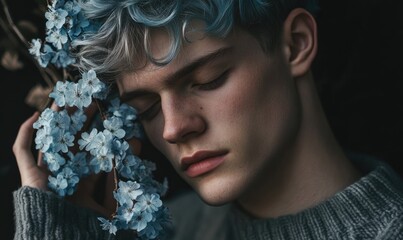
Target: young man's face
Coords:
[[222, 112]]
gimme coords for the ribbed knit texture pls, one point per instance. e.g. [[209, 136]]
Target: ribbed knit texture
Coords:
[[43, 215], [371, 208]]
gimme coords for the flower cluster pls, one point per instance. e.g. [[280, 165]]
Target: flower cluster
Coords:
[[65, 24], [71, 153]]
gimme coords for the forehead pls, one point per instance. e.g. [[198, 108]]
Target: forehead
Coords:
[[159, 43], [153, 77]]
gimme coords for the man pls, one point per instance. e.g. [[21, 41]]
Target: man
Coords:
[[236, 112]]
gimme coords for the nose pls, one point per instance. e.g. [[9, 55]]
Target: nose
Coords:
[[182, 120]]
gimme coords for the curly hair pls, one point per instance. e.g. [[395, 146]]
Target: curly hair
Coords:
[[121, 43]]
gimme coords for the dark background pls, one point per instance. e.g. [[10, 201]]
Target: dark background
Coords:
[[359, 64]]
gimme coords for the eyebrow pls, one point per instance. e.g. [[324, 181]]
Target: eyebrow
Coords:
[[192, 66]]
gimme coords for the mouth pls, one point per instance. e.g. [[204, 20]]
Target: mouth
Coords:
[[202, 162]]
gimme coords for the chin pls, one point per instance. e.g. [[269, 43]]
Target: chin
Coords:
[[217, 191]]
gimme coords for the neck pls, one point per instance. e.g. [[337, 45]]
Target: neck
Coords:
[[314, 169]]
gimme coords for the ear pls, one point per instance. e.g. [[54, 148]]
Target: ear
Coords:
[[300, 39]]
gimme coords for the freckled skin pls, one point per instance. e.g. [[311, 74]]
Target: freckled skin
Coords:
[[261, 108], [254, 115]]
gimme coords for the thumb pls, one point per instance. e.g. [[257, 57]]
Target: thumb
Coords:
[[23, 143]]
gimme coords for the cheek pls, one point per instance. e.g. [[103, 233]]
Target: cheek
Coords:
[[260, 113]]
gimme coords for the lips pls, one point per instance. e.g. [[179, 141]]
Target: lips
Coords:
[[202, 162]]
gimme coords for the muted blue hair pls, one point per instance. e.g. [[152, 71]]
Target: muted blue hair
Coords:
[[121, 42]]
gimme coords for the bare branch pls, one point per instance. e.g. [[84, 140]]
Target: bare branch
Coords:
[[12, 25]]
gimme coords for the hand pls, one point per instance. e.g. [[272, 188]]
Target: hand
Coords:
[[33, 174]]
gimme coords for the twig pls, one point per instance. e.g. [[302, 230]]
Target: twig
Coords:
[[115, 180], [115, 173], [12, 25], [43, 72], [100, 109], [4, 26]]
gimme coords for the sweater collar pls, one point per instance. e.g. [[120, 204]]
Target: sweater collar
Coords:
[[366, 203]]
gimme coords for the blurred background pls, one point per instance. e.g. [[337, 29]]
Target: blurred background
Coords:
[[359, 70]]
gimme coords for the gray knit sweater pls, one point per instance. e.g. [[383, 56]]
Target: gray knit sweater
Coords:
[[371, 208]]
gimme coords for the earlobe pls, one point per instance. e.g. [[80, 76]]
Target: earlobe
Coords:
[[300, 38]]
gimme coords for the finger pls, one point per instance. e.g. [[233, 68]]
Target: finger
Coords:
[[42, 165], [40, 160], [23, 143], [54, 107]]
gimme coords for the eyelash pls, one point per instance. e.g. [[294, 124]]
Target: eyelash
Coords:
[[217, 82]]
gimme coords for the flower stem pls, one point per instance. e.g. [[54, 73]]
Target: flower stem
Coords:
[[22, 39]]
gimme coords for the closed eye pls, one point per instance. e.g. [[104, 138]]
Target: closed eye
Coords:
[[217, 82]]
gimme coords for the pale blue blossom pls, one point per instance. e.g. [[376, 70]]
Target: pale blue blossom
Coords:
[[102, 161], [120, 148], [110, 226], [105, 146], [127, 166], [114, 125], [139, 221], [87, 138], [101, 140], [57, 38], [78, 25], [62, 141], [55, 18], [127, 192], [61, 121], [78, 163], [148, 203], [46, 55], [125, 212], [58, 93], [76, 96], [161, 219], [53, 161], [43, 140], [90, 83], [128, 115], [62, 59], [71, 178], [77, 121], [58, 184], [152, 230], [44, 119], [55, 4], [35, 48], [64, 183], [72, 8]]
